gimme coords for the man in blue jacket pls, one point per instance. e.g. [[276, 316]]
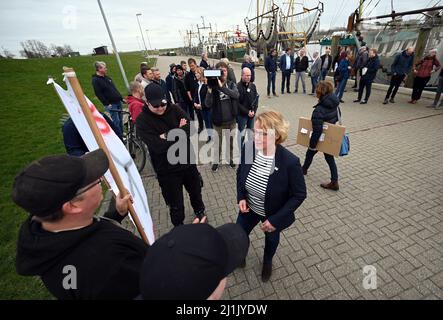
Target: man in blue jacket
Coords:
[[369, 73], [271, 70], [400, 68], [286, 67]]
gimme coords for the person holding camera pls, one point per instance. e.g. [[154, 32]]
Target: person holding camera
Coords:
[[222, 99]]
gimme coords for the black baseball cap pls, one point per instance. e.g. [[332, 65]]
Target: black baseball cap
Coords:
[[46, 184], [189, 262], [154, 94]]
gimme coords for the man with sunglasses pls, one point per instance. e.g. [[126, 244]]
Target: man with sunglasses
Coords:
[[77, 255], [158, 121]]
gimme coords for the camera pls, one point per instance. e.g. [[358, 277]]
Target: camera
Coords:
[[212, 76]]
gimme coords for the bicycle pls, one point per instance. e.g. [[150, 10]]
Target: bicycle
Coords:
[[136, 147]]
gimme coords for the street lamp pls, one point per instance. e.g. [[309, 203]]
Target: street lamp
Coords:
[[140, 27], [149, 42], [122, 70]]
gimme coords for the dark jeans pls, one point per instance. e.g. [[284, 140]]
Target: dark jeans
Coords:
[[207, 117], [244, 122], [116, 116], [286, 78], [172, 189], [329, 159], [324, 73], [364, 83], [419, 85], [199, 118], [396, 81], [341, 88], [271, 81], [248, 221], [439, 91], [314, 82]]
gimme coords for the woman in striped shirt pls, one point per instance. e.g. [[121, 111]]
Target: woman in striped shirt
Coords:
[[270, 184]]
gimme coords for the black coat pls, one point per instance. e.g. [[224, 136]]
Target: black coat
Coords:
[[325, 111], [202, 98], [323, 57], [105, 90], [107, 259], [271, 64], [286, 189], [301, 64], [149, 128], [247, 101], [204, 64]]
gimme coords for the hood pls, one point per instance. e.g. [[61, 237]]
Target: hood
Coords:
[[329, 101], [38, 250], [131, 99]]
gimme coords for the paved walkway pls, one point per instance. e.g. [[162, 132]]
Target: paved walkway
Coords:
[[388, 212]]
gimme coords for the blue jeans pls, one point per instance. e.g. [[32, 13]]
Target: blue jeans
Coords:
[[248, 221], [271, 81], [341, 88], [285, 79], [116, 116], [207, 117], [244, 123], [324, 73], [314, 82], [329, 159]]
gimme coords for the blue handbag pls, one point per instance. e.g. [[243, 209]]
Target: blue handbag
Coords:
[[346, 144]]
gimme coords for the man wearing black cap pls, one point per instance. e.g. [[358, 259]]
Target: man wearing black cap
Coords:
[[77, 255], [192, 262], [158, 120]]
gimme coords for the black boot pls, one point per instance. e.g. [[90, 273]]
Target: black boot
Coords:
[[266, 271]]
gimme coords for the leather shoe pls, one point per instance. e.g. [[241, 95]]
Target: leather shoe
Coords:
[[266, 272], [333, 185]]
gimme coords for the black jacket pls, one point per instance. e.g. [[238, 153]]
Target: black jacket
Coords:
[[323, 57], [179, 91], [247, 101], [223, 103], [107, 259], [325, 111], [149, 128], [373, 65], [286, 189], [301, 64], [271, 64], [105, 90], [200, 99], [204, 64], [191, 82]]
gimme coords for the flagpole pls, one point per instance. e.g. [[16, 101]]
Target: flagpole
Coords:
[[75, 84]]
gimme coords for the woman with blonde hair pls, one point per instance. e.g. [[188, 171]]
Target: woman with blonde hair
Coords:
[[199, 97], [270, 184]]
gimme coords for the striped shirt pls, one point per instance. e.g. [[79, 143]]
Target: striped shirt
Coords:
[[257, 182]]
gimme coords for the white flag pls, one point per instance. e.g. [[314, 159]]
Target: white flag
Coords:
[[122, 159]]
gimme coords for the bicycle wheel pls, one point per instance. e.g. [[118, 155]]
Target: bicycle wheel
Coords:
[[137, 152]]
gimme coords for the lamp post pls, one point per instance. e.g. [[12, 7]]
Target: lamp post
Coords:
[[149, 42], [122, 70], [140, 27]]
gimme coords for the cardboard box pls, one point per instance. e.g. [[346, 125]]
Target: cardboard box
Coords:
[[330, 141]]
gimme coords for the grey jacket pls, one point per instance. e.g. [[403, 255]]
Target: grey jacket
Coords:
[[224, 107], [316, 68]]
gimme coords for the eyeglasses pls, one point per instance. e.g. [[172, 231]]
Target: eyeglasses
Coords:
[[92, 185]]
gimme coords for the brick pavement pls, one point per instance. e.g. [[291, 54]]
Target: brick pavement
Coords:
[[388, 212]]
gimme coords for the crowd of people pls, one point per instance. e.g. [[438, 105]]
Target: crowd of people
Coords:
[[62, 193]]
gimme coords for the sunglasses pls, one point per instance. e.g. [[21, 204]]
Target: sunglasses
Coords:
[[161, 105]]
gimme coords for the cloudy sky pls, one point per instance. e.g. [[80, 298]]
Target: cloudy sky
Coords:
[[79, 23]]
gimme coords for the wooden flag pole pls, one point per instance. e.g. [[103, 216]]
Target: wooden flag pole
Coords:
[[75, 84]]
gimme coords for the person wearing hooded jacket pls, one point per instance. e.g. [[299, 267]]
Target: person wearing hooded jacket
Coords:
[[325, 111], [62, 237]]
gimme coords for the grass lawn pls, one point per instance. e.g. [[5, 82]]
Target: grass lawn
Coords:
[[29, 118]]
